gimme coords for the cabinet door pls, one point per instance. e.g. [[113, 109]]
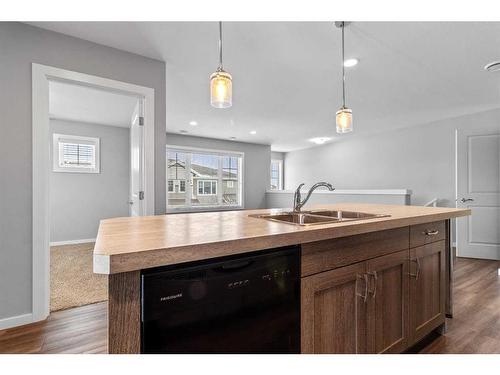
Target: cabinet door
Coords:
[[427, 289], [387, 315], [334, 311]]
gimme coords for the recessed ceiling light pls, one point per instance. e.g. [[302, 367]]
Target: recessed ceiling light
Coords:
[[349, 63], [493, 66], [183, 131], [193, 123], [320, 140], [253, 132]]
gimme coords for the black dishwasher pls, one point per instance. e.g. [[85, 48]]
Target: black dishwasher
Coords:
[[244, 304]]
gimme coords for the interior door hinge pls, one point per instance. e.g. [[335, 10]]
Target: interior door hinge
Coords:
[[141, 121], [141, 195]]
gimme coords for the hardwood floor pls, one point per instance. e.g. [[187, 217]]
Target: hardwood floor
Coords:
[[78, 330], [475, 327]]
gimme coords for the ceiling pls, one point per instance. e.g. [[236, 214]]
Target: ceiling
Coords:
[[86, 104], [286, 75]]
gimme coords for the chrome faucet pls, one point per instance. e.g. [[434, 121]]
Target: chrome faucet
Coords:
[[298, 203]]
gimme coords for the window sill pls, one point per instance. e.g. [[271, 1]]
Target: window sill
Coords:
[[185, 210]]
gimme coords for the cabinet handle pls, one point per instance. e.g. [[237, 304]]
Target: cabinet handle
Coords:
[[375, 277], [417, 274], [365, 278], [429, 232]]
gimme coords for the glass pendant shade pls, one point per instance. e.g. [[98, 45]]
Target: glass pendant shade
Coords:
[[221, 89], [344, 120]]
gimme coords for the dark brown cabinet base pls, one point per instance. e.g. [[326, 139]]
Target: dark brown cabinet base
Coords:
[[381, 304]]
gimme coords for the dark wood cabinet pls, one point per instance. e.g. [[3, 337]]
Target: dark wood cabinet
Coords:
[[381, 303], [334, 311], [427, 289], [387, 308]]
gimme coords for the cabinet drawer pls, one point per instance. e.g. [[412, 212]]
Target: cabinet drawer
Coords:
[[329, 254], [422, 234]]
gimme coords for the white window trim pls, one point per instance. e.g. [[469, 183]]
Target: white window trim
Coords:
[[168, 186], [66, 138], [208, 207], [280, 163], [211, 187]]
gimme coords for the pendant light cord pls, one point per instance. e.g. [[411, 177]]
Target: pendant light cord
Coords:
[[220, 46], [343, 67]]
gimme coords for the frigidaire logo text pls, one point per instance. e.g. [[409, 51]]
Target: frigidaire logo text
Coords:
[[173, 296]]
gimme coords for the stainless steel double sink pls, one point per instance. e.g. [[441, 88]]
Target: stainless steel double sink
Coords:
[[315, 217]]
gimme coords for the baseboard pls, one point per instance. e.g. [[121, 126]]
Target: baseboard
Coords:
[[15, 321], [72, 242]]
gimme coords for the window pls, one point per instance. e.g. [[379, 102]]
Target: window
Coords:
[[276, 174], [207, 187], [75, 154], [203, 179]]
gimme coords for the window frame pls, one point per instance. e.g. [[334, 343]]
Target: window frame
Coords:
[[188, 151], [280, 171], [58, 138]]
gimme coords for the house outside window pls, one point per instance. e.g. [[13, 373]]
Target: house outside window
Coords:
[[276, 174], [75, 154], [203, 179]]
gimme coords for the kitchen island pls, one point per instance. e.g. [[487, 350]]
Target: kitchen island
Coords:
[[367, 286]]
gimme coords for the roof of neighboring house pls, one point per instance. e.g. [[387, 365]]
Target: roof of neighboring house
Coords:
[[200, 171]]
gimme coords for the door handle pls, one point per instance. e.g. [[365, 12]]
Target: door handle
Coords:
[[365, 278], [130, 202], [416, 274], [375, 278], [463, 200]]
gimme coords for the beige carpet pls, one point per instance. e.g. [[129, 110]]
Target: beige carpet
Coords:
[[72, 282]]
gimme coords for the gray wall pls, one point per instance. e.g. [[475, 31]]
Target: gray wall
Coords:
[[256, 168], [79, 200], [21, 45], [420, 158], [284, 199]]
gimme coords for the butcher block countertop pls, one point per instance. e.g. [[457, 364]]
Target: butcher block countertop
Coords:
[[134, 243]]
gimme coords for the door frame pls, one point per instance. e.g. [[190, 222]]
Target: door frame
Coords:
[[41, 75]]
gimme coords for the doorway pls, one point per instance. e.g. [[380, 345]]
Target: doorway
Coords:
[[83, 155], [478, 188], [95, 174]]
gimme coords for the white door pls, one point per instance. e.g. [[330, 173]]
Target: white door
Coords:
[[478, 188], [136, 200]]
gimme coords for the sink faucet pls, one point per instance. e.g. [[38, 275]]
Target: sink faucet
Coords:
[[298, 203]]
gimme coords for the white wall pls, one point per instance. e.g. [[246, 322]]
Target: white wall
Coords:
[[20, 46], [256, 168], [78, 201], [420, 158]]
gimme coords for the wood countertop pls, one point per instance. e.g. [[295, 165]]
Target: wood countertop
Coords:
[[134, 243]]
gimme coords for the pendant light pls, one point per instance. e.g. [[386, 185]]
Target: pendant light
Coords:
[[221, 85], [343, 116]]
